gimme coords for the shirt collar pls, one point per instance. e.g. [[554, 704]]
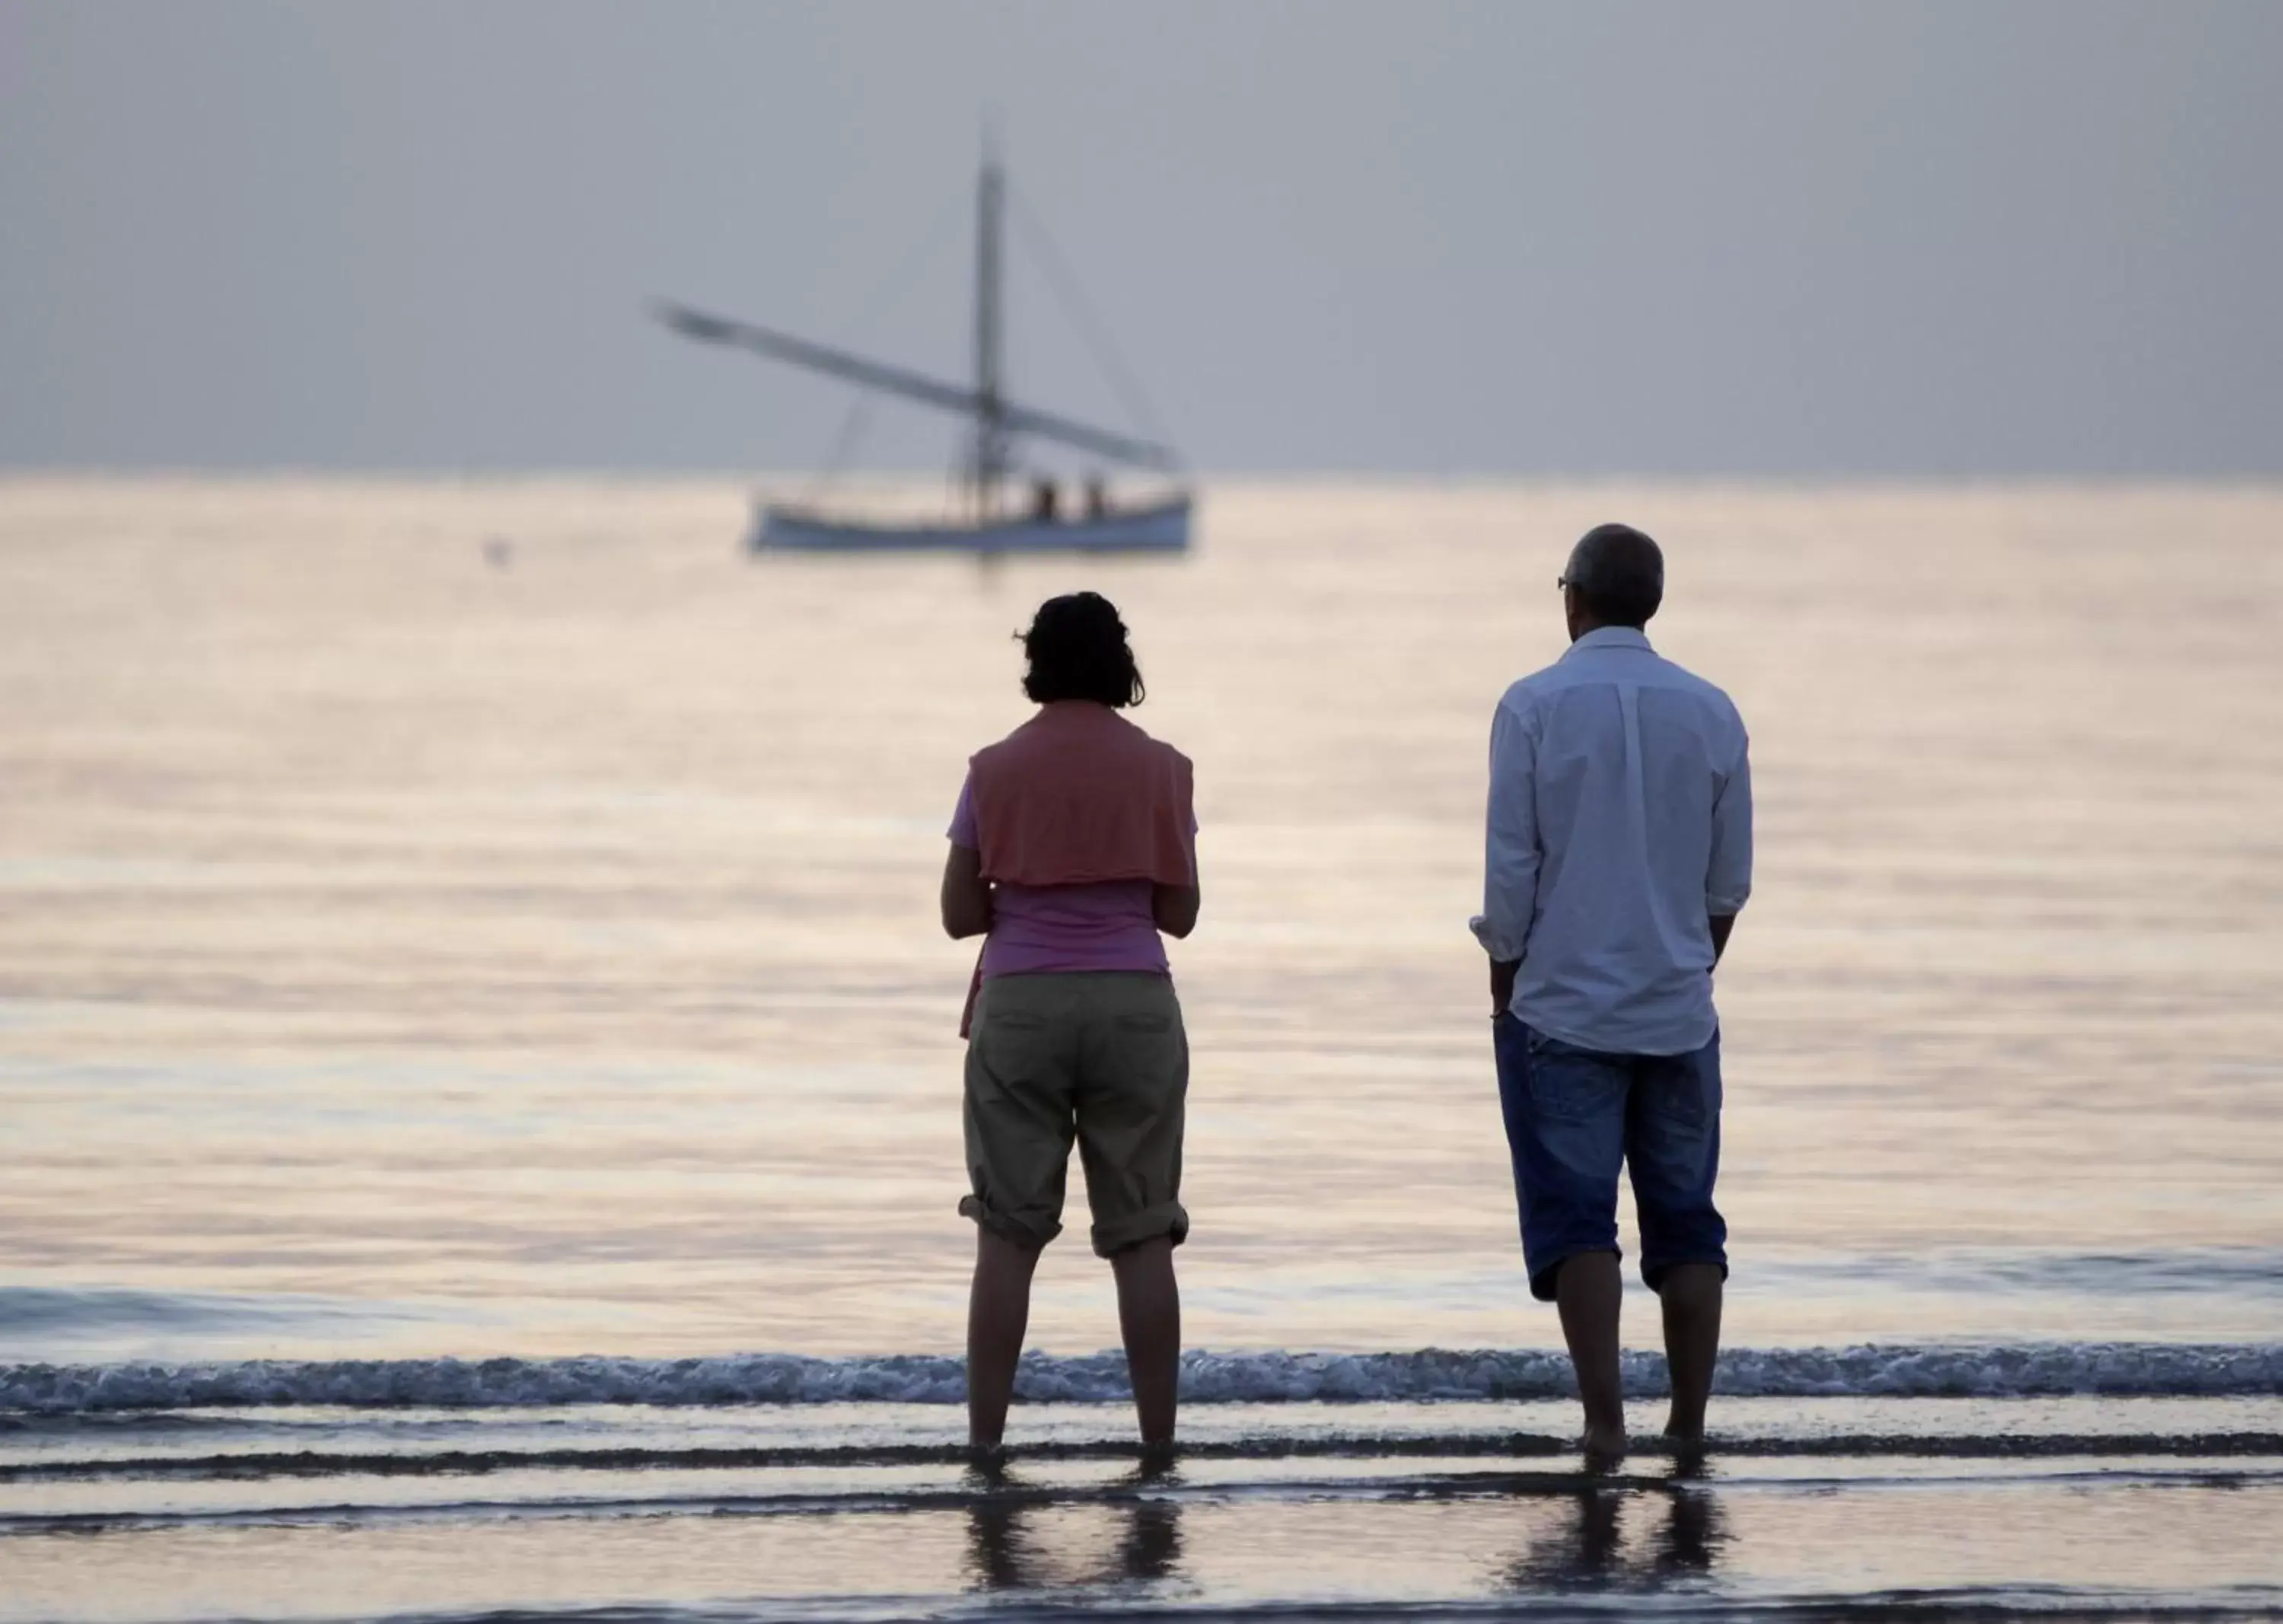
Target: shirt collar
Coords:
[[1612, 637]]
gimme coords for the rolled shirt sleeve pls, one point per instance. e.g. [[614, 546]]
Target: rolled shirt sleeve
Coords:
[[1729, 879], [1511, 854]]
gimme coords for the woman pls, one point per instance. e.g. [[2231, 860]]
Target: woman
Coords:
[[1074, 846]]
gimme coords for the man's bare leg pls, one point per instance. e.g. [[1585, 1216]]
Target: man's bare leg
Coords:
[[1589, 1291], [1691, 1344], [1150, 1315], [998, 1313]]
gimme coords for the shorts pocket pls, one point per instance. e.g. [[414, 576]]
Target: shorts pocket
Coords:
[[1569, 1085], [1135, 1062], [1678, 1102], [1014, 1047], [1683, 1094]]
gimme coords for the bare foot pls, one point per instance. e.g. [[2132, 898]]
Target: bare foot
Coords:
[[1604, 1447], [1687, 1451]]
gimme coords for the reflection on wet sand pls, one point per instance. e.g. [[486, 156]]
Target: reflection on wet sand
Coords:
[[1003, 1555], [1587, 1550], [1608, 1534]]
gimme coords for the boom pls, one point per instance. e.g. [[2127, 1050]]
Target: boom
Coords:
[[709, 328]]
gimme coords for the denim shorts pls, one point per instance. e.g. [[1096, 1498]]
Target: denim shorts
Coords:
[[1573, 1116]]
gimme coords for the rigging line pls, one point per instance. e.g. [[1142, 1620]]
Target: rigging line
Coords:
[[947, 219], [844, 442], [858, 417], [1091, 331]]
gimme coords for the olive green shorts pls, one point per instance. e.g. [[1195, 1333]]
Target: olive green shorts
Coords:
[[1097, 1056]]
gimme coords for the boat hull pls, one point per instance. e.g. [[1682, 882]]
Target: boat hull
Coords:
[[1163, 528]]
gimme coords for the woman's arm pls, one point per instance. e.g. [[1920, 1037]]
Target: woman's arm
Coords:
[[966, 894], [1174, 908]]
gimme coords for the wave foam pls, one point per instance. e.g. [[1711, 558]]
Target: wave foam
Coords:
[[2103, 1368]]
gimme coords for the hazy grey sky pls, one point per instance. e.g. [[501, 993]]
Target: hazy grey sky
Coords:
[[1466, 238]]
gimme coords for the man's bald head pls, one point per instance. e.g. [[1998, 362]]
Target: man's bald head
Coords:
[[1615, 577]]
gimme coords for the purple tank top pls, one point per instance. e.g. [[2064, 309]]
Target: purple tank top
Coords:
[[1040, 929]]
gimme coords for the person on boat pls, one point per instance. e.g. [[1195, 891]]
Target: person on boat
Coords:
[[1046, 501], [1619, 853], [1073, 854]]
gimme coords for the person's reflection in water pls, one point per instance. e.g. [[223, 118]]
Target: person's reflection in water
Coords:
[[1152, 1546], [1689, 1543], [996, 1547], [1581, 1552], [1586, 1550], [1003, 1555]]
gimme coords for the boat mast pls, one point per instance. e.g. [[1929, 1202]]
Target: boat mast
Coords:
[[995, 421], [988, 457]]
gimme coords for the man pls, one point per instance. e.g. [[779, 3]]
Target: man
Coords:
[[1620, 851]]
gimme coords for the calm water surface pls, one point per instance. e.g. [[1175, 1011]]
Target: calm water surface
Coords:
[[406, 956]]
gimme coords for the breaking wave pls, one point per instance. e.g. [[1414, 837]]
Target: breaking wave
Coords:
[[2110, 1369]]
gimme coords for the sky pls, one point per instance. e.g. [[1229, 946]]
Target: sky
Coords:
[[1817, 239]]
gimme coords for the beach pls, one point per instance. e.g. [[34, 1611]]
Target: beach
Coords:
[[480, 1070]]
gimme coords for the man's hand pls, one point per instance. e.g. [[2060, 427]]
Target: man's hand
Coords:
[[1502, 974]]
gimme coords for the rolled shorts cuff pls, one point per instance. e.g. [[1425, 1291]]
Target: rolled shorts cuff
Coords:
[[1031, 1232], [1653, 1273], [1543, 1276], [1167, 1218]]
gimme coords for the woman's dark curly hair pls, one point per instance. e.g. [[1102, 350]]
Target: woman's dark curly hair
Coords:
[[1077, 650]]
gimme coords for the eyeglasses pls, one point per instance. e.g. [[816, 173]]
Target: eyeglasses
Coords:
[[1563, 583]]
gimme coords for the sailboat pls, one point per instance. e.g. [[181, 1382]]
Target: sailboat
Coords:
[[986, 523]]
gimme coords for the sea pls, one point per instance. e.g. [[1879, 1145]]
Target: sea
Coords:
[[480, 1087]]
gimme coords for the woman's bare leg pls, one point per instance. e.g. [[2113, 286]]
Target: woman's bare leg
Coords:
[[998, 1313], [1149, 1314]]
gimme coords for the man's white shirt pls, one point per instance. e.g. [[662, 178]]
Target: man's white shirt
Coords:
[[1620, 823]]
